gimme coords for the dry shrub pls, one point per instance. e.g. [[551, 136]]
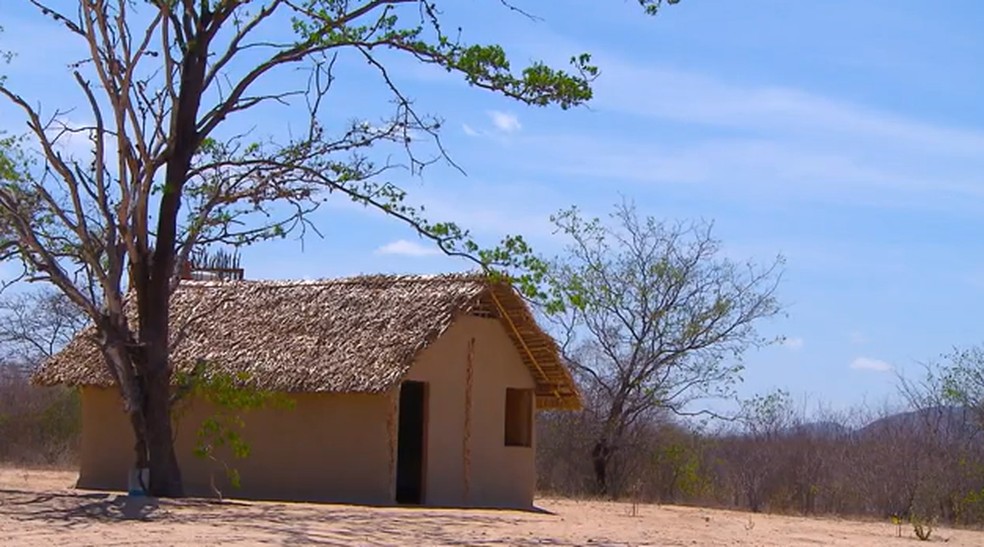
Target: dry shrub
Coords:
[[923, 462], [38, 426]]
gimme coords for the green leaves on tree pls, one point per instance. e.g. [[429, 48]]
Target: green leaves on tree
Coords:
[[230, 397]]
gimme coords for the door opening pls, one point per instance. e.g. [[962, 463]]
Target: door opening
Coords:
[[411, 443]]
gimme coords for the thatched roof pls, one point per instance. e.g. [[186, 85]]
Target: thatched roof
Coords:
[[353, 335]]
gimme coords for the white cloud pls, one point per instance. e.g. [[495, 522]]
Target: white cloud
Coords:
[[858, 338], [868, 363], [697, 98], [505, 122], [490, 209], [793, 343], [773, 169], [497, 208], [469, 130], [793, 144], [402, 247]]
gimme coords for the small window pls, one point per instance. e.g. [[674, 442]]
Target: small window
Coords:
[[519, 417]]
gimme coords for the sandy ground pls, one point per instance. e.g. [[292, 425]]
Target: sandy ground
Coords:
[[41, 508]]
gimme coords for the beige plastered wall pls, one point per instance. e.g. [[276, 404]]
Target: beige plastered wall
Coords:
[[325, 448], [474, 469], [332, 447]]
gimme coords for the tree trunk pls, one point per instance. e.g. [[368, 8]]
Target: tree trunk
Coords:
[[140, 434], [116, 344], [143, 376], [165, 474], [601, 458], [152, 275]]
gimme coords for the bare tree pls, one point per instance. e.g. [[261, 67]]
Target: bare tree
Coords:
[[37, 425], [34, 325], [656, 319], [156, 83], [754, 455]]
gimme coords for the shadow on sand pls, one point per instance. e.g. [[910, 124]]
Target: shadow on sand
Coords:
[[328, 524], [71, 507]]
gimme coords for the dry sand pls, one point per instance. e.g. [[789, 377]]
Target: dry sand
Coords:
[[41, 508]]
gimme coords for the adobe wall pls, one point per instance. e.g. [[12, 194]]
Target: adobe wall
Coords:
[[497, 475], [326, 448]]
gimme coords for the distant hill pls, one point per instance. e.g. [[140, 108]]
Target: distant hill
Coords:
[[822, 429], [957, 422], [950, 420]]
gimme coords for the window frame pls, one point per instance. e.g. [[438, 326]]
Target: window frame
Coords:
[[518, 418]]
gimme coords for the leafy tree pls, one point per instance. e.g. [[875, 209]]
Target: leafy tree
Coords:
[[678, 464], [961, 380], [656, 321], [160, 81]]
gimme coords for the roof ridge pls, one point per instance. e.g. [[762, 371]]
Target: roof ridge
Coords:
[[355, 279]]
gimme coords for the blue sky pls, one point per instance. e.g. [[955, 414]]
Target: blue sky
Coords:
[[847, 136]]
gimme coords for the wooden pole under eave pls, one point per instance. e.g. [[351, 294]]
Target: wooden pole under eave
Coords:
[[391, 419], [529, 353]]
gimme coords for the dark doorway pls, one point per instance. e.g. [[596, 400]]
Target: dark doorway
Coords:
[[410, 446]]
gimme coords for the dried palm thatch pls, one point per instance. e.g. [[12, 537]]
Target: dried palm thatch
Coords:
[[353, 335]]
